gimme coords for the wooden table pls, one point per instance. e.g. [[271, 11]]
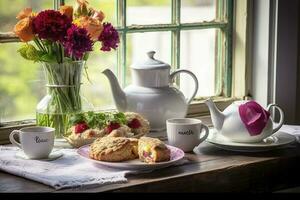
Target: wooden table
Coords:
[[212, 170]]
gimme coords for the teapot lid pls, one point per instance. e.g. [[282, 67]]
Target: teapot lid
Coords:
[[150, 63]]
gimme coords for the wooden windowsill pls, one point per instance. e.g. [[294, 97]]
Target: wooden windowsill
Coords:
[[212, 170]]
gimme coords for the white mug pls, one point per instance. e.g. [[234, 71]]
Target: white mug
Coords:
[[185, 133], [36, 142]]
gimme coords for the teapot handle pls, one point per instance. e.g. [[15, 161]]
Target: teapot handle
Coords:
[[281, 113], [172, 76]]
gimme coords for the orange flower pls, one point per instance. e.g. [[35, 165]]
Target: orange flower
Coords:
[[23, 29], [81, 8], [67, 10], [93, 26], [27, 12], [98, 15]]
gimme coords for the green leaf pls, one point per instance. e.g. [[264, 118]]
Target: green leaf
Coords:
[[77, 118], [86, 56], [48, 58], [22, 50], [118, 117], [96, 120], [32, 53]]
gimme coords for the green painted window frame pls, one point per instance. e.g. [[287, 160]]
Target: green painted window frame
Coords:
[[224, 71], [223, 22]]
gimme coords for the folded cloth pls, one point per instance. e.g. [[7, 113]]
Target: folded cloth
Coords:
[[70, 170], [292, 130]]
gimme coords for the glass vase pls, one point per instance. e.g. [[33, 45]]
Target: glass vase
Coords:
[[63, 97]]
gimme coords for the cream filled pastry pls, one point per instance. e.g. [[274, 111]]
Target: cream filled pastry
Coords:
[[152, 150]]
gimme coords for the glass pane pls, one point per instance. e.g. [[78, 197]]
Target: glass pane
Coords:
[[20, 84], [138, 44], [97, 90], [106, 6], [10, 8], [148, 12], [198, 54], [198, 10]]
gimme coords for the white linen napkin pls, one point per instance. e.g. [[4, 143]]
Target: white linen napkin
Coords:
[[292, 130], [68, 171]]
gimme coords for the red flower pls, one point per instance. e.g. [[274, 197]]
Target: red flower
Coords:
[[77, 42], [109, 37], [51, 25]]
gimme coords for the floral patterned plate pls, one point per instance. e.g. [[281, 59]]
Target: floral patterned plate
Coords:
[[176, 156]]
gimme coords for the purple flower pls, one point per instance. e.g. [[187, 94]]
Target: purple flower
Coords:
[[254, 117], [77, 42], [109, 37], [51, 25]]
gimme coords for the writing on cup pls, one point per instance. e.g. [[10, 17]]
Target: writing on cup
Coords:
[[36, 142], [40, 140], [186, 133]]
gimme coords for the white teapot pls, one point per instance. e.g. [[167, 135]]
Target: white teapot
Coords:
[[151, 93], [244, 121]]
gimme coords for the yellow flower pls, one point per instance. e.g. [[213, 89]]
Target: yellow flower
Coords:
[[67, 10], [93, 26], [23, 29]]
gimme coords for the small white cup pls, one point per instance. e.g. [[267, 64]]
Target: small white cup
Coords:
[[36, 142], [185, 133]]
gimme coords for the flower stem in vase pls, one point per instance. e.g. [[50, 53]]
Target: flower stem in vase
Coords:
[[63, 96]]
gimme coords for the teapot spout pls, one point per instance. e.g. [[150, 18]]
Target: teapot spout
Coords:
[[119, 95], [217, 116]]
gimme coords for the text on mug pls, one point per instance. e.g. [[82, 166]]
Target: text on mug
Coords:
[[40, 140], [188, 132]]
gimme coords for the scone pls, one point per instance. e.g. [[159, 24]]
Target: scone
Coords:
[[122, 131], [113, 149], [138, 124], [86, 137], [152, 150]]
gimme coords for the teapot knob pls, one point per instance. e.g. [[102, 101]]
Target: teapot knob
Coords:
[[151, 54]]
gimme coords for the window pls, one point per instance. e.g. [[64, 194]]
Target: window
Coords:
[[189, 34]]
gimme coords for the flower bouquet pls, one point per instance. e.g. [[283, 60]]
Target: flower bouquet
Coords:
[[61, 40]]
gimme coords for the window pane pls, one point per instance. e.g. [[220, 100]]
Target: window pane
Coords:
[[198, 10], [106, 6], [138, 44], [20, 84], [97, 90], [198, 49], [148, 12], [10, 8]]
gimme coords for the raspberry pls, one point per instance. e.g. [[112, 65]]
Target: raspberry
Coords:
[[112, 126], [135, 123], [79, 128]]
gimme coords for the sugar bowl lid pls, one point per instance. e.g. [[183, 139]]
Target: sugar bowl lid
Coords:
[[150, 63]]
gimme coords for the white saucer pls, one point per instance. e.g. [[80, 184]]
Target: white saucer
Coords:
[[275, 141], [53, 156]]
